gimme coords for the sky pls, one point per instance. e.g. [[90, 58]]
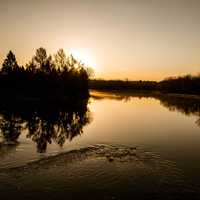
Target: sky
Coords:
[[134, 39]]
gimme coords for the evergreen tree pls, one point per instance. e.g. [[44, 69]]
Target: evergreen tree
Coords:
[[60, 60], [10, 63]]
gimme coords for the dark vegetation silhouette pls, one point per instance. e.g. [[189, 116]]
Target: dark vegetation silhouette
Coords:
[[43, 122], [122, 85], [58, 76], [45, 76], [184, 84], [187, 84]]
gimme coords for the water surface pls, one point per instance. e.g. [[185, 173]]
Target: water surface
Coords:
[[131, 126]]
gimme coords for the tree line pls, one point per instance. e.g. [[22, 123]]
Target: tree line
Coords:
[[187, 84], [44, 76], [60, 75]]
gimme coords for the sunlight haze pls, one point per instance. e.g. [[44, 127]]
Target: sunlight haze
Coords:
[[134, 39]]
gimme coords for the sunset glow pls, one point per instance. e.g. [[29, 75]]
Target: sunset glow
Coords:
[[100, 99], [84, 56], [134, 39]]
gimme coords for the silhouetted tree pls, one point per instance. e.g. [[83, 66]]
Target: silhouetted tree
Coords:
[[60, 60], [31, 67], [42, 61], [10, 63], [40, 57], [44, 76], [72, 62]]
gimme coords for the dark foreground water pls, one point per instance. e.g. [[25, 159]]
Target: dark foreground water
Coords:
[[114, 146]]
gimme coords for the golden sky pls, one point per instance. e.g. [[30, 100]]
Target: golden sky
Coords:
[[135, 39]]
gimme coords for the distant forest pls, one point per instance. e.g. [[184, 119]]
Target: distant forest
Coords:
[[45, 76], [187, 84]]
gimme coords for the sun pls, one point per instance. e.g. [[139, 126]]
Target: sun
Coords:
[[84, 56]]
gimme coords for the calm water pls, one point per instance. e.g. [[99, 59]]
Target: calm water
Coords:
[[168, 126]]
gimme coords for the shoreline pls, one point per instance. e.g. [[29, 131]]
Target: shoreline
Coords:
[[146, 93]]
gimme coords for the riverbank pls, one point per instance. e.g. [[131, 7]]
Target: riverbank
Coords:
[[187, 84]]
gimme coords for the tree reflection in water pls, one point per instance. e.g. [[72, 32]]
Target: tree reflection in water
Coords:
[[47, 122], [187, 106], [184, 104], [44, 122], [10, 128]]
